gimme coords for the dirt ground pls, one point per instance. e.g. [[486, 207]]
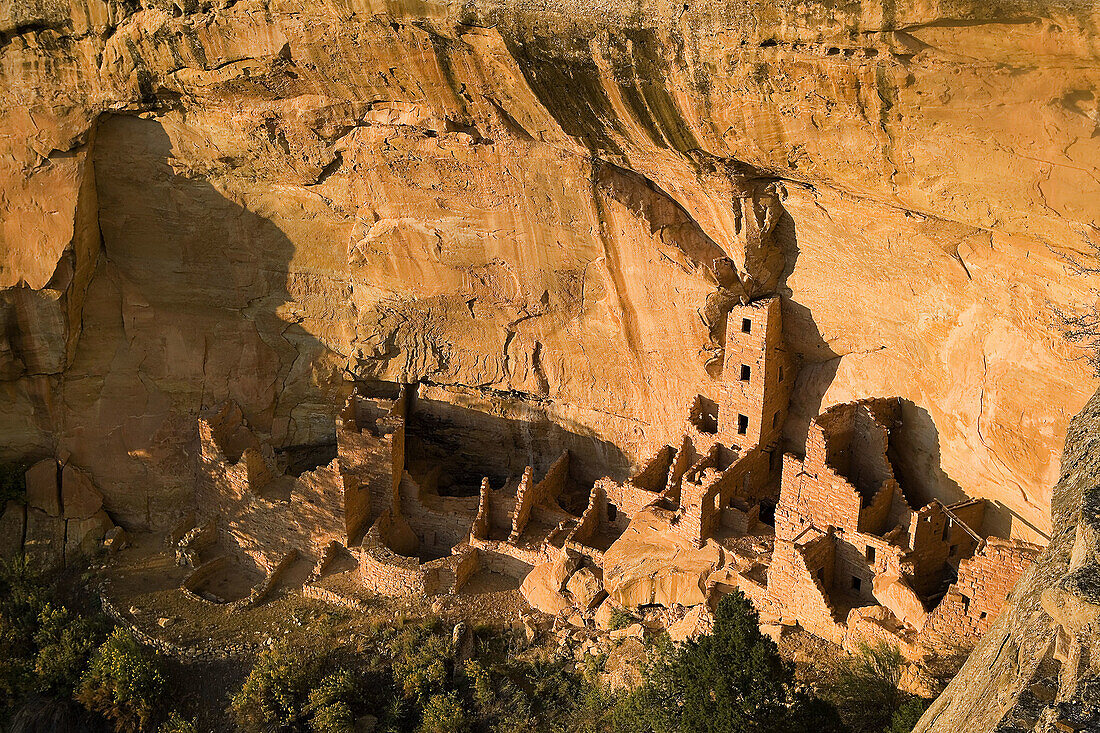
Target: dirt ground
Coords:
[[144, 583]]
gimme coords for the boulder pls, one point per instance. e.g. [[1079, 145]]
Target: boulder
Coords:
[[604, 614], [42, 490], [585, 588], [85, 536], [542, 589], [634, 631], [563, 567], [651, 563], [116, 539], [79, 497], [696, 621], [894, 593], [44, 545]]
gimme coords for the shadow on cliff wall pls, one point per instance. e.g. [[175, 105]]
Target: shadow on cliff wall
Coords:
[[469, 444], [188, 308], [817, 362]]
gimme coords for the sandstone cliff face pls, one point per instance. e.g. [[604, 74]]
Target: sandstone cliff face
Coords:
[[541, 214], [1037, 668]]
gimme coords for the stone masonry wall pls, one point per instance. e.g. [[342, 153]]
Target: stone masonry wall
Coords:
[[812, 493], [441, 522], [972, 603], [547, 490], [796, 590], [754, 359]]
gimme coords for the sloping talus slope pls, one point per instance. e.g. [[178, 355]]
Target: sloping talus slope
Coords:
[[541, 211]]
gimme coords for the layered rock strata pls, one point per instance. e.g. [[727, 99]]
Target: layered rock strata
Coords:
[[545, 215]]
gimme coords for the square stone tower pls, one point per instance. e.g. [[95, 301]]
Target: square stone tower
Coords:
[[756, 375]]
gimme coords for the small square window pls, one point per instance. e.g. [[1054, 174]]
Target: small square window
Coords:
[[746, 325], [870, 554], [981, 615], [856, 583], [745, 372], [742, 424]]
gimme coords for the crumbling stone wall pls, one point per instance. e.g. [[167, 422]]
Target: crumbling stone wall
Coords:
[[441, 522], [798, 579], [233, 492], [812, 494], [385, 572], [936, 541], [972, 603], [370, 438]]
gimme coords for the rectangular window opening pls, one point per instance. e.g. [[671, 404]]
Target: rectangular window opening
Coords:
[[745, 372], [966, 603], [746, 325], [742, 424], [870, 554], [781, 373], [856, 583]]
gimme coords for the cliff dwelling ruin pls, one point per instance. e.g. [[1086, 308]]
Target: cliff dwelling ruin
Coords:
[[828, 540]]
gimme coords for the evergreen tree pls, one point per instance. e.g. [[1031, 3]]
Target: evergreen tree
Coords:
[[729, 681]]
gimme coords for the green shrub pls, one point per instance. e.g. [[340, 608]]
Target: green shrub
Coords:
[[124, 683], [422, 662], [177, 724], [65, 642], [329, 707], [906, 717], [865, 690], [276, 692], [24, 593], [444, 714], [620, 619]]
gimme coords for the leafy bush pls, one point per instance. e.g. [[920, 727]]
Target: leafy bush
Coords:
[[177, 724], [124, 683], [65, 642], [444, 714], [865, 690], [906, 717], [329, 707], [23, 595], [277, 690], [620, 619], [729, 681]]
